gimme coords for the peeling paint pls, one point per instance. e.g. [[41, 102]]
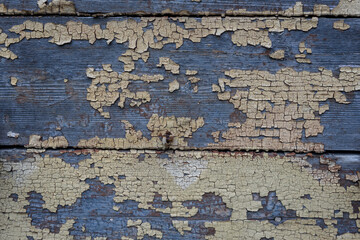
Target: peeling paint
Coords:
[[341, 25], [347, 7], [280, 107], [13, 81], [301, 58], [278, 54], [174, 85], [166, 132], [227, 198], [158, 193], [65, 7], [169, 65], [6, 53], [253, 31], [56, 7], [105, 86], [35, 141]]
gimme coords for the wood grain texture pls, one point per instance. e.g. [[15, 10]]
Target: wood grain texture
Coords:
[[189, 7], [42, 103], [74, 194], [179, 119]]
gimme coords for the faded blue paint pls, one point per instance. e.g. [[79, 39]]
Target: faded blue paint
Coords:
[[273, 210], [14, 197], [42, 97], [94, 211], [346, 225], [158, 6]]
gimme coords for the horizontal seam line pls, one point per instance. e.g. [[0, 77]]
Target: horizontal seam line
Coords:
[[104, 15], [18, 147]]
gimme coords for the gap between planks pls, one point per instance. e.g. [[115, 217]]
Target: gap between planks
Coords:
[[74, 148], [192, 15]]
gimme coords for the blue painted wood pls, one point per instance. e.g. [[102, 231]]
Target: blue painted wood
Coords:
[[42, 102], [128, 7]]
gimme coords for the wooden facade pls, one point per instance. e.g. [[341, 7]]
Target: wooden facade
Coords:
[[179, 119]]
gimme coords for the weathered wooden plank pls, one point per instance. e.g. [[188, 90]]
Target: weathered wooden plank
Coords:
[[185, 7], [177, 195], [56, 93]]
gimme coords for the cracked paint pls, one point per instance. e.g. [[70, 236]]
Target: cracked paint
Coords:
[[282, 108], [158, 193], [35, 141], [246, 31], [260, 194], [166, 132], [261, 130], [169, 65], [105, 86]]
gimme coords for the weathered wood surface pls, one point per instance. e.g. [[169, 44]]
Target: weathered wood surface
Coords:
[[73, 194], [185, 7], [42, 103], [117, 119]]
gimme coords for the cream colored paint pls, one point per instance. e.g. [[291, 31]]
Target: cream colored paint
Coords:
[[233, 176]]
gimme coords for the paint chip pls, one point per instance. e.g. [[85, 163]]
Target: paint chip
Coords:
[[278, 55], [173, 86], [13, 81]]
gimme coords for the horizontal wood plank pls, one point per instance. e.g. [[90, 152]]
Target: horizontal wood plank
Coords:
[[50, 92], [177, 195], [186, 7]]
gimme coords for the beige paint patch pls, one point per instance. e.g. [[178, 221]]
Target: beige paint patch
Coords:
[[13, 81], [41, 3], [4, 10], [181, 226], [279, 107], [296, 10], [169, 65], [341, 25], [52, 142], [347, 7], [178, 127], [278, 54], [129, 58], [191, 72], [254, 38], [194, 79], [6, 53], [174, 85], [144, 229], [301, 58]]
